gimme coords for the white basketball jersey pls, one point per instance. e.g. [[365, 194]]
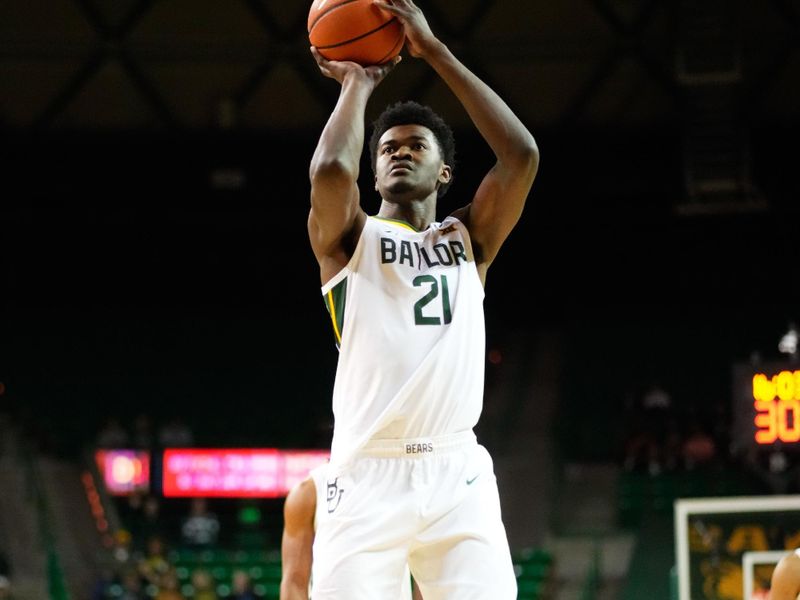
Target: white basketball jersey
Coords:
[[407, 312]]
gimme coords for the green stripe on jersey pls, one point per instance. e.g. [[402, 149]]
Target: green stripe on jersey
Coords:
[[334, 302]]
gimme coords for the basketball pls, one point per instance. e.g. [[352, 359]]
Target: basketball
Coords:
[[354, 30]]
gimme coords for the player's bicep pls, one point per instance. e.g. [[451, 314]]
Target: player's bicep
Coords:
[[498, 204], [334, 207]]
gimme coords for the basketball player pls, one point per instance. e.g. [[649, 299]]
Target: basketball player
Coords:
[[408, 482], [300, 512], [785, 583]]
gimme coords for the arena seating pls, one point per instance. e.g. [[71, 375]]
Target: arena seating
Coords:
[[532, 567]]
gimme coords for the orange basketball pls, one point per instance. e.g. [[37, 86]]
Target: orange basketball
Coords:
[[354, 30]]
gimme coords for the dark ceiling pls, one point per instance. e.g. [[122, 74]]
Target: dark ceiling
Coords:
[[644, 108], [190, 113], [724, 75], [195, 64]]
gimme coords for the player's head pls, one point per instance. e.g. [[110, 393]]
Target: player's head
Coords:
[[410, 118]]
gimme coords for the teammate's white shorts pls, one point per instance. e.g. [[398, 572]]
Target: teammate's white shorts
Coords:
[[431, 503]]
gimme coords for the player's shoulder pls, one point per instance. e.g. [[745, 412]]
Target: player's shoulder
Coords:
[[460, 216], [301, 496], [307, 485]]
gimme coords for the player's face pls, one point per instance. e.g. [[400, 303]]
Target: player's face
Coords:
[[409, 163]]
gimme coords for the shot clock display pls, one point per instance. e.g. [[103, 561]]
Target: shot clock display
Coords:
[[767, 404]]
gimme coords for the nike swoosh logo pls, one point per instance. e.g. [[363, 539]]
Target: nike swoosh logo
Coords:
[[471, 481]]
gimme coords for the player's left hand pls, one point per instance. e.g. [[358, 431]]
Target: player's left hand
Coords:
[[419, 36]]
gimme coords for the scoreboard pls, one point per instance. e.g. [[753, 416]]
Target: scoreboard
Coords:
[[766, 404]]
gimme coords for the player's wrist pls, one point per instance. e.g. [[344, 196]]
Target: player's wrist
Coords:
[[431, 49]]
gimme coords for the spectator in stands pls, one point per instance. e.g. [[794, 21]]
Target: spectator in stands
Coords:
[[131, 584], [699, 447], [657, 407], [783, 471], [656, 398], [720, 430], [146, 523], [649, 443], [113, 434], [204, 585], [169, 589], [242, 586], [641, 450], [154, 565], [122, 554], [201, 527], [105, 577], [672, 447], [773, 470], [129, 510]]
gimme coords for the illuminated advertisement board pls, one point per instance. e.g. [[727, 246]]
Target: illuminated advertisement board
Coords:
[[235, 472], [124, 471]]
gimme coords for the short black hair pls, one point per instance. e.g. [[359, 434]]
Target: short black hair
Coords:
[[413, 113]]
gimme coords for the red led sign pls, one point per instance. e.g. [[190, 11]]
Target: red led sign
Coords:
[[236, 472], [124, 471]]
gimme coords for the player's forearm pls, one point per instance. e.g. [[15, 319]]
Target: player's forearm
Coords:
[[506, 135], [293, 590], [341, 143]]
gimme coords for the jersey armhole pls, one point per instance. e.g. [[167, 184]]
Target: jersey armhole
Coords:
[[348, 268]]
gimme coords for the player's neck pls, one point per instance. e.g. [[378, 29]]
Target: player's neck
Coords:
[[418, 214]]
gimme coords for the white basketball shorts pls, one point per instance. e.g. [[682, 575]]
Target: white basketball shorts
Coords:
[[431, 504]]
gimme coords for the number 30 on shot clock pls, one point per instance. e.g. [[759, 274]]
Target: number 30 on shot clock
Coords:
[[776, 400]]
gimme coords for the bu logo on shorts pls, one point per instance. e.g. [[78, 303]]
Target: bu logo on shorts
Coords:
[[334, 495]]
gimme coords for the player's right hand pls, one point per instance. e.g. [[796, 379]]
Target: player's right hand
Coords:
[[419, 36], [339, 69]]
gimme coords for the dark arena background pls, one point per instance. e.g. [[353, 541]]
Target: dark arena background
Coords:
[[642, 318]]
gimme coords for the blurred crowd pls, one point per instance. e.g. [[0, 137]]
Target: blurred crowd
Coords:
[[664, 436]]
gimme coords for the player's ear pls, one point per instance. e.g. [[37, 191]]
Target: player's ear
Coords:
[[445, 174], [376, 183]]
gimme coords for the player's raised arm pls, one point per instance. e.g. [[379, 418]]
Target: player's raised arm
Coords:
[[498, 203], [336, 215]]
